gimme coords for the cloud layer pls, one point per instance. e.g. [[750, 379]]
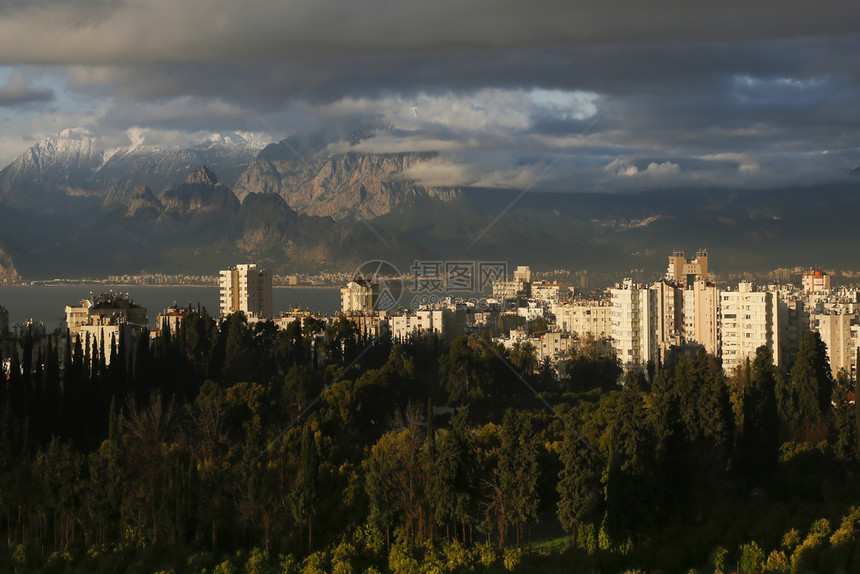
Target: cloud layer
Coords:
[[575, 95]]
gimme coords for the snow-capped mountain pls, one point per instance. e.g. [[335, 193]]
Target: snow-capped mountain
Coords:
[[71, 173], [164, 168], [59, 164]]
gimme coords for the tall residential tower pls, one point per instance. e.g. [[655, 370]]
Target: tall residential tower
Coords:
[[248, 289]]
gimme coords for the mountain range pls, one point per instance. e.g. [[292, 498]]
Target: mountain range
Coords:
[[69, 208]]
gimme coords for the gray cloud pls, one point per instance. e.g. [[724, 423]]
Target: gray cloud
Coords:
[[203, 30], [16, 92]]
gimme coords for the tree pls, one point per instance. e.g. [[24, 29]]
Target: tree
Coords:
[[146, 430], [304, 495], [293, 349], [629, 479], [518, 470], [454, 476], [760, 441], [579, 489], [524, 358], [593, 365], [841, 436], [811, 384], [716, 419], [239, 364], [397, 478], [461, 371], [674, 433]]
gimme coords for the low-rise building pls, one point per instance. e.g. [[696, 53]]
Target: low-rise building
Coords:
[[100, 320], [546, 292], [444, 323], [172, 317], [285, 318]]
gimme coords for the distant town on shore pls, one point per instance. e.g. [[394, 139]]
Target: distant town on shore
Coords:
[[645, 323]]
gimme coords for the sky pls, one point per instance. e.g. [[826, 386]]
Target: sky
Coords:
[[572, 95]]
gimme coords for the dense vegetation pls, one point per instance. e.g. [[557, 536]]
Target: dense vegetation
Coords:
[[240, 448]]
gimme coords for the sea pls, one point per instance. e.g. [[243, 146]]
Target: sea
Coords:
[[47, 303]]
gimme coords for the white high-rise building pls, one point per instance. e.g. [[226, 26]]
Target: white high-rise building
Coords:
[[248, 289], [701, 318], [835, 329], [748, 320], [634, 324], [359, 296]]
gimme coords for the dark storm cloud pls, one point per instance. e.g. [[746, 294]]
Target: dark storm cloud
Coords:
[[198, 30], [610, 94]]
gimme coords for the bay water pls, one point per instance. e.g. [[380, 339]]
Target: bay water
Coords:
[[47, 303]]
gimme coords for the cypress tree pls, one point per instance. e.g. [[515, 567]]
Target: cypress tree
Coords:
[[579, 489], [811, 382], [671, 437], [760, 441], [629, 477], [518, 469], [304, 496], [15, 386], [27, 406], [53, 394], [840, 435]]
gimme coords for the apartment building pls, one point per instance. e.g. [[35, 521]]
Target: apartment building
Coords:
[[634, 324], [248, 289], [748, 320], [359, 296], [581, 318]]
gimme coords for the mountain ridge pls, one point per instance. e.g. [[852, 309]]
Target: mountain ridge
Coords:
[[70, 174], [344, 185]]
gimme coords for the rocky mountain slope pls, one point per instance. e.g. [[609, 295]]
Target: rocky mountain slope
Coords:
[[161, 169], [201, 226], [743, 230], [342, 185], [298, 207]]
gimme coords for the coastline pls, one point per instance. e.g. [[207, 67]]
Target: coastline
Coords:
[[172, 285], [46, 302]]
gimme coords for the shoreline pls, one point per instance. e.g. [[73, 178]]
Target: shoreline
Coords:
[[171, 285]]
